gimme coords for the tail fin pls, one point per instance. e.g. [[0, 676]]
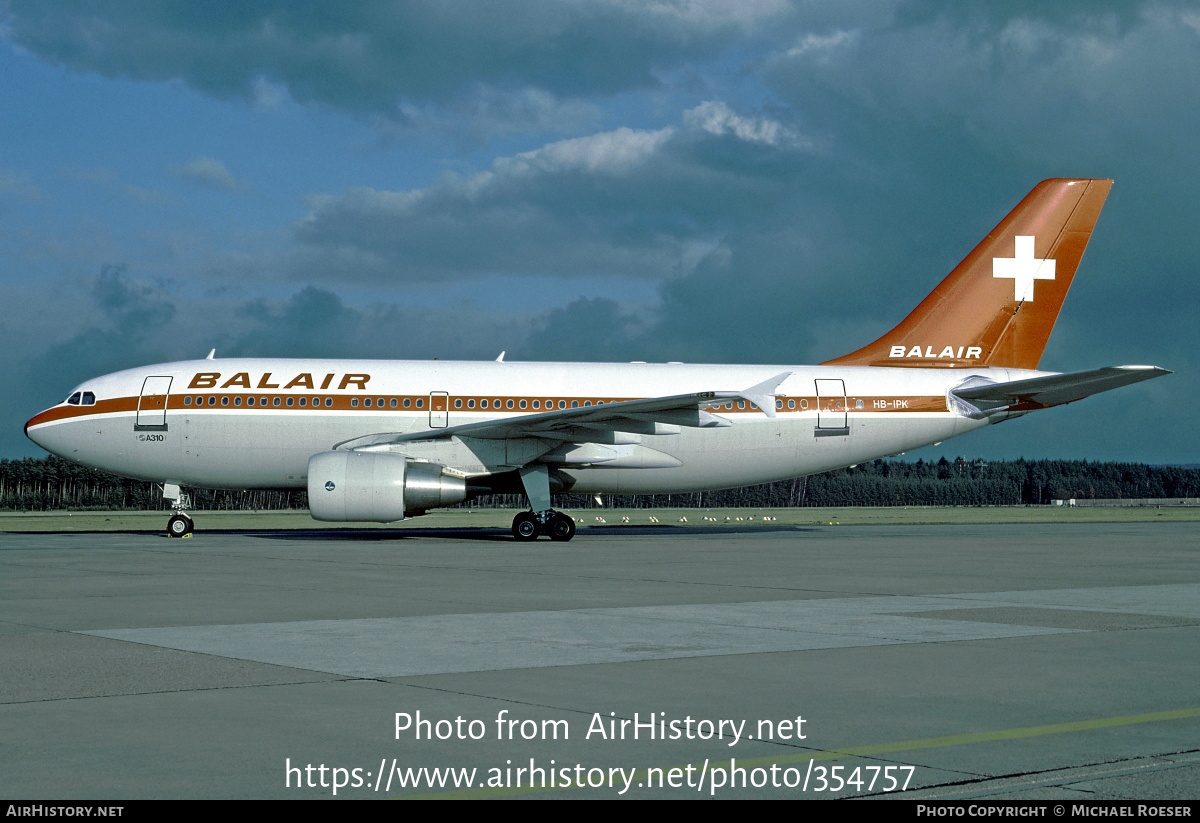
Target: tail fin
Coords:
[[998, 306]]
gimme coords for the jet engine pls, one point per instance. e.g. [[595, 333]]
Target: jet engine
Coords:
[[377, 486]]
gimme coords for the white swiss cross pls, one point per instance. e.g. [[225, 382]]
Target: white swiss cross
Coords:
[[1024, 268]]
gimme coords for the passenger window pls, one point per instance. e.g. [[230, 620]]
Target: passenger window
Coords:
[[225, 401], [392, 402], [471, 404], [509, 404], [420, 403], [522, 404], [354, 402], [367, 402], [274, 401], [406, 402], [574, 404], [458, 403]]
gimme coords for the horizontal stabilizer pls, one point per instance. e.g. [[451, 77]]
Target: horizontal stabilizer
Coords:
[[1054, 390]]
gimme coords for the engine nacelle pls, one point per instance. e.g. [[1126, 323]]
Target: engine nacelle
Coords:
[[377, 486]]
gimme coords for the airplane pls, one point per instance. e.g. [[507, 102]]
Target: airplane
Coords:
[[382, 440]]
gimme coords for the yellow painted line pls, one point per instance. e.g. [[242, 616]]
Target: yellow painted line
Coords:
[[481, 793]]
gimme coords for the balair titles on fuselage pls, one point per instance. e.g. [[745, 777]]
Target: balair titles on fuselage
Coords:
[[304, 380]]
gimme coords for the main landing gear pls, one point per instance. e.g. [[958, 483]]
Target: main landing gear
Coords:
[[556, 525], [541, 519], [180, 524]]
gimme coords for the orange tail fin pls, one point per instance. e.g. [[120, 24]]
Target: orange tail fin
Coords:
[[998, 306]]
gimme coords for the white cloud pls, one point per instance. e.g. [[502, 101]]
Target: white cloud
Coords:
[[489, 112], [613, 152], [269, 95], [822, 44], [706, 13], [626, 203], [209, 172], [1191, 19], [715, 117]]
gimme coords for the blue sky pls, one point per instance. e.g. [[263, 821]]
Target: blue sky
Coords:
[[751, 182]]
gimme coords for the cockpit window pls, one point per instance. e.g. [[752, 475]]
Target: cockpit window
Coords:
[[74, 399], [89, 399]]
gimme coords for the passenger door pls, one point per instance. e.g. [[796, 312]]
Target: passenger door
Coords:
[[152, 405]]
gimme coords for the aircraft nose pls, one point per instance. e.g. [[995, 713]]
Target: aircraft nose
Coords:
[[36, 434]]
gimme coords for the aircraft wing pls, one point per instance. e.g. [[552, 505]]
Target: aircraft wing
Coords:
[[653, 415], [1054, 390]]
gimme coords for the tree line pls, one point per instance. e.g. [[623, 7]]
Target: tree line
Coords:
[[53, 483]]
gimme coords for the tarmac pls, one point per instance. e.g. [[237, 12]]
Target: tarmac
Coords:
[[1005, 662]]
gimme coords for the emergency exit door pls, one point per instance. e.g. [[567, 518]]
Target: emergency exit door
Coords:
[[439, 402]]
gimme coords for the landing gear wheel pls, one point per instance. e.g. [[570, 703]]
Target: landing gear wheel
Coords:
[[561, 527], [525, 526], [179, 526]]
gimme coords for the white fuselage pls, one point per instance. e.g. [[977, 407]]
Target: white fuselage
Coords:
[[254, 423]]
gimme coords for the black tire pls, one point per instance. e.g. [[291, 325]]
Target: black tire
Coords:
[[179, 526], [561, 528], [525, 526]]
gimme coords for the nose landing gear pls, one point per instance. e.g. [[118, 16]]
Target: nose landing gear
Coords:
[[180, 524]]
